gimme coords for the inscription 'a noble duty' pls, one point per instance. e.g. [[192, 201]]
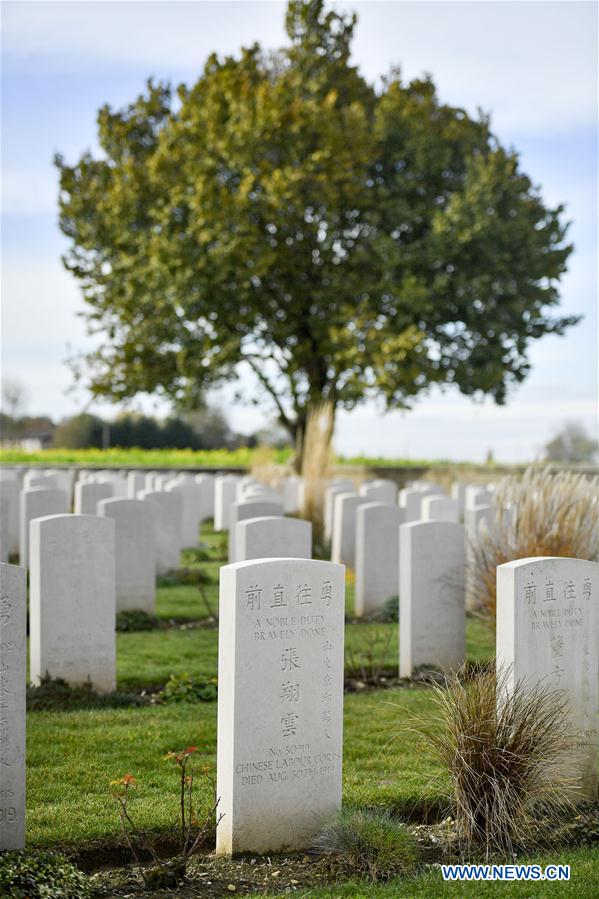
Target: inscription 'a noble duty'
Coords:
[[280, 703], [548, 632]]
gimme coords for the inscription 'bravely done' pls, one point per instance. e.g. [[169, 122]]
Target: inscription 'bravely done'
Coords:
[[290, 627]]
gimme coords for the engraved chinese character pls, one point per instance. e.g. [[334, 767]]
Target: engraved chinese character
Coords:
[[327, 716], [327, 646], [253, 597], [530, 593], [558, 672], [290, 692], [289, 725], [327, 680], [289, 659], [326, 594], [327, 662], [278, 597], [557, 646], [570, 591], [549, 593], [304, 595], [586, 588], [327, 697]]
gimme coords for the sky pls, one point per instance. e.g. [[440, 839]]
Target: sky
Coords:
[[531, 65]]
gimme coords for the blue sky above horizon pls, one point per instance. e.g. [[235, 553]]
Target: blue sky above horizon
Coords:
[[532, 65]]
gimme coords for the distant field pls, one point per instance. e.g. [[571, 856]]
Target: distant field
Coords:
[[172, 458], [144, 458]]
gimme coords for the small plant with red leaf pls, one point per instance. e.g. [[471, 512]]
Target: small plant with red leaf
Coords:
[[166, 873]]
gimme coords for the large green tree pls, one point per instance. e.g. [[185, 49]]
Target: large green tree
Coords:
[[284, 217]]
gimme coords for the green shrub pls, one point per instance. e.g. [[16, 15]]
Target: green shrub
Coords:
[[31, 874], [184, 688], [55, 694], [130, 620], [390, 610], [369, 844]]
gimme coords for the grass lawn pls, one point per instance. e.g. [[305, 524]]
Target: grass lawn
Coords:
[[72, 756]]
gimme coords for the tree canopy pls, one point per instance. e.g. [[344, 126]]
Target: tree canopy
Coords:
[[283, 216]]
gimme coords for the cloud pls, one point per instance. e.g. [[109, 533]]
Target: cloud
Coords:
[[533, 64]]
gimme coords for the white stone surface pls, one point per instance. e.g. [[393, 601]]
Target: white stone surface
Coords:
[[37, 480], [440, 508], [291, 494], [477, 496], [548, 633], [36, 477], [458, 493], [409, 501], [4, 528], [273, 537], [225, 494], [206, 482], [377, 556], [37, 503], [432, 619], [343, 538], [11, 491], [280, 651], [381, 491], [72, 600], [135, 559], [476, 520], [87, 497], [330, 493], [249, 509], [13, 664], [168, 522], [191, 494], [136, 481]]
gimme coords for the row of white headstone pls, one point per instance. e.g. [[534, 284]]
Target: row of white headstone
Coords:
[[33, 494], [281, 667]]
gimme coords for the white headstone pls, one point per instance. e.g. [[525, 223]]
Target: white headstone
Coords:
[[343, 543], [476, 521], [168, 519], [249, 509], [38, 480], [35, 477], [458, 493], [273, 538], [440, 508], [191, 494], [135, 561], [225, 494], [206, 482], [136, 481], [377, 556], [11, 492], [13, 663], [330, 493], [72, 600], [291, 494], [4, 528], [548, 633], [477, 496], [432, 618], [280, 702], [87, 497], [381, 491], [37, 503]]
